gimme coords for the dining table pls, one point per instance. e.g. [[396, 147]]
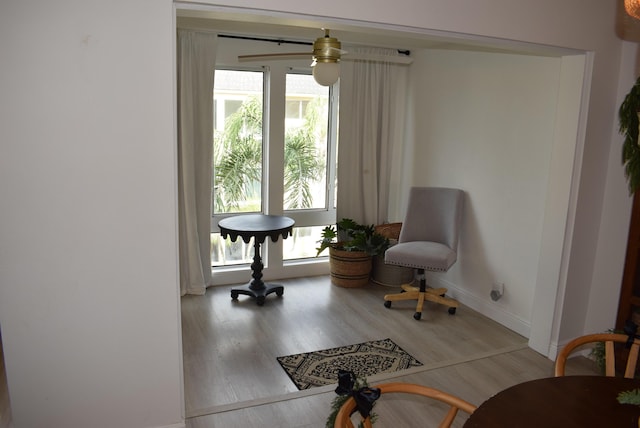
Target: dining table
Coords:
[[259, 227], [564, 401]]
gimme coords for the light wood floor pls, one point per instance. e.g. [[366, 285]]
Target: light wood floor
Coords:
[[232, 378]]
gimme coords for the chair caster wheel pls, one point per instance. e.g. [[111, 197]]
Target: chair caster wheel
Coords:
[[260, 300], [417, 316], [279, 293], [452, 311], [234, 295], [387, 303]]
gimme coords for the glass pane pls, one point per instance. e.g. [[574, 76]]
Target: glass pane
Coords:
[[306, 127], [303, 243], [237, 141], [227, 253]]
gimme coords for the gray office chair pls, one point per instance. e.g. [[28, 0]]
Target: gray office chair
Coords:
[[428, 241]]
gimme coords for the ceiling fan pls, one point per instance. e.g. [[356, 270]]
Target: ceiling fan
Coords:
[[326, 55]]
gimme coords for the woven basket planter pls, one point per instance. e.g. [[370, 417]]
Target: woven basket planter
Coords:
[[389, 230], [349, 269], [389, 275]]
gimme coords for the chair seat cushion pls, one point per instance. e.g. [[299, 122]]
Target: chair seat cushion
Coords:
[[421, 255]]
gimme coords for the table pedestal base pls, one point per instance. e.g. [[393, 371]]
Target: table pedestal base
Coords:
[[259, 227], [259, 293]]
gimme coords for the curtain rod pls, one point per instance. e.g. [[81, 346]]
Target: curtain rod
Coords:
[[293, 42], [262, 39]]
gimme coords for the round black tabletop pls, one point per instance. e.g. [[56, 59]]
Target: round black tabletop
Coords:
[[566, 401], [258, 226]]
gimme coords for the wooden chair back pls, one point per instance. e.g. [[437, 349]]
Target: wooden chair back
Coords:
[[343, 419], [609, 339]]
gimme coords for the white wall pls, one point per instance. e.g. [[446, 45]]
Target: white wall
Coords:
[[89, 300], [484, 122], [89, 297], [610, 255]]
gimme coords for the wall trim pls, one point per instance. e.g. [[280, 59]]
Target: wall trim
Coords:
[[178, 425], [484, 307]]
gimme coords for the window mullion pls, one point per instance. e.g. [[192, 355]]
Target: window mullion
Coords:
[[273, 174]]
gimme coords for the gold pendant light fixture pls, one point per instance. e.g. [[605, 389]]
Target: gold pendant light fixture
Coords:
[[326, 58]]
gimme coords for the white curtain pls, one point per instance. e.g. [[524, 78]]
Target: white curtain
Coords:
[[372, 116], [196, 65]]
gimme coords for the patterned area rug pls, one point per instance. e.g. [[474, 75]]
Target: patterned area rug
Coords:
[[320, 368]]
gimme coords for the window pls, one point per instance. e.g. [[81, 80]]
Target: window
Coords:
[[252, 150], [237, 142], [305, 144], [237, 156]]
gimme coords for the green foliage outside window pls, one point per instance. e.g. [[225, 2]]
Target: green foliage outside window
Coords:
[[238, 151]]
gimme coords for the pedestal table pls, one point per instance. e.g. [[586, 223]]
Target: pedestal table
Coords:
[[258, 227]]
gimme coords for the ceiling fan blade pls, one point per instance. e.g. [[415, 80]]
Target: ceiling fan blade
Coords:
[[344, 55], [338, 50], [274, 56], [401, 59]]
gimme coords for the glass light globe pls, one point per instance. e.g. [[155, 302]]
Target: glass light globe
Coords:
[[326, 73]]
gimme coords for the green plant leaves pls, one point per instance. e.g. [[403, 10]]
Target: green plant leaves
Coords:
[[353, 237], [630, 397], [628, 118]]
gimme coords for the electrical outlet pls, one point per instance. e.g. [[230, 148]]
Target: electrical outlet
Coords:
[[499, 287], [497, 290]]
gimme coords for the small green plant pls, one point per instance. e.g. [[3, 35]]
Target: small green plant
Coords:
[[598, 354], [351, 236], [630, 397]]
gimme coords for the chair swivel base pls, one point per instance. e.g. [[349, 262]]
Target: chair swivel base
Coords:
[[409, 292]]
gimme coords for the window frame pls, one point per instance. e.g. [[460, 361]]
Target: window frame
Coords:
[[274, 101]]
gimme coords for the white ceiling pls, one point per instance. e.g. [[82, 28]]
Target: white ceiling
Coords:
[[301, 29]]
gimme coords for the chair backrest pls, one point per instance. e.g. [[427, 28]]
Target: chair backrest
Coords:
[[609, 340], [343, 419], [433, 214]]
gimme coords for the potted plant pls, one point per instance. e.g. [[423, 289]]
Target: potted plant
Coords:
[[351, 246]]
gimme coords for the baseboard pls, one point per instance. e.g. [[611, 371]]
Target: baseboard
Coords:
[[178, 425], [486, 308], [555, 347]]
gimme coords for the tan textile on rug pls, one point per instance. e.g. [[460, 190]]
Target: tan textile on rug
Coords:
[[320, 368]]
